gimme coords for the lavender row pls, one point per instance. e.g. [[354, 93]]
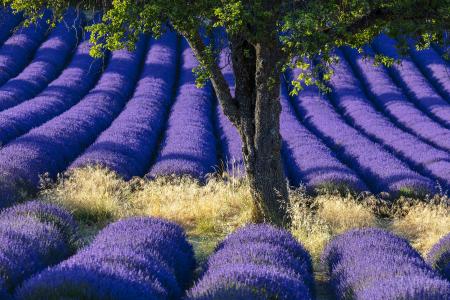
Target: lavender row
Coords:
[[349, 97], [33, 236], [189, 145], [230, 140], [439, 256], [69, 88], [17, 51], [48, 62], [307, 160], [375, 264], [434, 67], [129, 143], [51, 147], [257, 262], [137, 258], [384, 92], [8, 21], [409, 77], [380, 170]]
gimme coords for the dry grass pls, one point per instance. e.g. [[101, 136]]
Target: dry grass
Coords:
[[212, 210], [316, 220], [423, 224], [208, 212]]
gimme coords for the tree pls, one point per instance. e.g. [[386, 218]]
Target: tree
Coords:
[[264, 37]]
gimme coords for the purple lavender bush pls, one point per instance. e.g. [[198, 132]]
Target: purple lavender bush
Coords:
[[349, 97], [135, 258], [256, 262], [372, 263], [17, 51], [307, 160], [47, 64], [51, 147], [435, 68], [389, 98], [68, 89], [413, 82], [128, 145], [33, 236], [48, 213], [189, 143], [379, 168], [439, 256], [8, 21]]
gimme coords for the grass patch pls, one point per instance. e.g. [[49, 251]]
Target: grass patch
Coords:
[[209, 211], [315, 220], [423, 223]]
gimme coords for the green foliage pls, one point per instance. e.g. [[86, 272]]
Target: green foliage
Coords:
[[307, 29]]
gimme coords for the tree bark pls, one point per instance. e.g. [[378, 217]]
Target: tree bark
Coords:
[[255, 111], [257, 92]]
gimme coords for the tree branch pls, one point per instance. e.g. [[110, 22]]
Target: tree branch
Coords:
[[230, 107]]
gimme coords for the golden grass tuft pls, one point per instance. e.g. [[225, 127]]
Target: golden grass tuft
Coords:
[[423, 224], [207, 211], [316, 220]]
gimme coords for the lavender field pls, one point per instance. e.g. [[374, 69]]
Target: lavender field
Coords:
[[140, 114], [381, 131]]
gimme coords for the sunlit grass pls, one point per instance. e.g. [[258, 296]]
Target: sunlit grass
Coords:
[[211, 210]]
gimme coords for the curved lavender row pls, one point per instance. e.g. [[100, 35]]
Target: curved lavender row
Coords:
[[8, 21], [137, 258], [393, 102], [375, 264], [439, 256], [48, 62], [30, 243], [189, 145], [381, 171], [307, 159], [434, 67], [129, 143], [409, 77], [230, 139], [52, 146], [73, 83], [257, 262], [48, 213], [350, 98], [20, 47]]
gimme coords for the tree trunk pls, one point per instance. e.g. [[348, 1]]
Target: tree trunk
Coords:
[[257, 92], [255, 111]]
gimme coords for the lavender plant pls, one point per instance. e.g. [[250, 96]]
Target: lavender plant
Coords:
[[256, 262], [372, 263], [33, 236], [128, 145], [435, 68], [394, 103], [136, 258], [411, 79], [380, 169], [439, 256], [52, 146], [8, 21], [17, 51], [48, 62], [189, 144], [349, 97], [307, 159]]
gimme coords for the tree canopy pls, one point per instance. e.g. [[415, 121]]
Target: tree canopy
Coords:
[[306, 29]]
